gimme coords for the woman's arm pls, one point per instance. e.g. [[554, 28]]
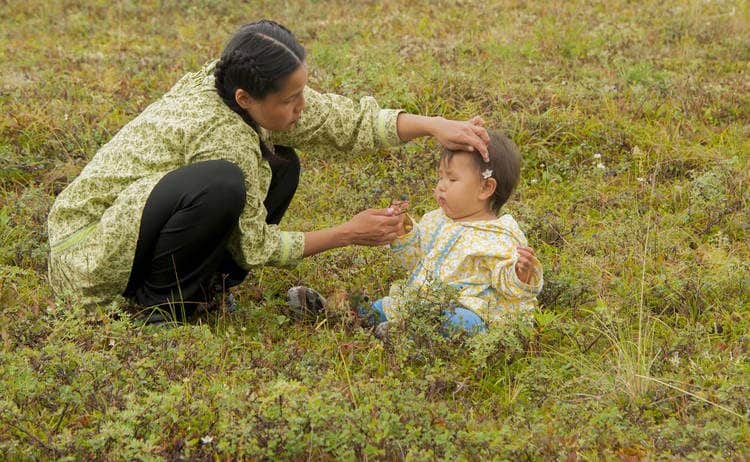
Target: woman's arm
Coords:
[[331, 121], [452, 134], [371, 227], [336, 122]]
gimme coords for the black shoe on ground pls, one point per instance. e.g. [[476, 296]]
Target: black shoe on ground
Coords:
[[304, 302]]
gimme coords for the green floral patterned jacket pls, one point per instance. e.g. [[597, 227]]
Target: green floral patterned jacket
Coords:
[[94, 223]]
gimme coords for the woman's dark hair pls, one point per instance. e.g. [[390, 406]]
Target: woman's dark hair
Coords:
[[505, 163], [258, 59]]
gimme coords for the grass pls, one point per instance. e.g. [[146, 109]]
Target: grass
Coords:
[[633, 122]]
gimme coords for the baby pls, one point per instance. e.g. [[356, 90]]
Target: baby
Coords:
[[466, 244]]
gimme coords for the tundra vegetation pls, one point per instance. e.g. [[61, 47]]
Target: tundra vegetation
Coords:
[[634, 123]]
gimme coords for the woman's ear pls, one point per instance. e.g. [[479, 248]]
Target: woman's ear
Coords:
[[244, 99], [488, 188]]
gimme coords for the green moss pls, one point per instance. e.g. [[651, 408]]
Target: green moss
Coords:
[[632, 120]]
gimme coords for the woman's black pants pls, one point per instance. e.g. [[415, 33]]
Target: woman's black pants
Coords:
[[181, 256]]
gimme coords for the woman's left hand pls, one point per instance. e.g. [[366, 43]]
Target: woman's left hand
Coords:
[[455, 135], [462, 136]]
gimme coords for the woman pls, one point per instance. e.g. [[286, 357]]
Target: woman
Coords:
[[190, 193]]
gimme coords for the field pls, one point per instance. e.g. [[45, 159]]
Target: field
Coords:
[[634, 123]]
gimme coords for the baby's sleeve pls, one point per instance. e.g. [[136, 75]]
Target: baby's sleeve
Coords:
[[407, 249], [505, 280]]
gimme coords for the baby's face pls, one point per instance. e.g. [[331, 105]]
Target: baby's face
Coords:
[[458, 188]]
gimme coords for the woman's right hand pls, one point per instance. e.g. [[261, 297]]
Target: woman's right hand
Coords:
[[373, 227]]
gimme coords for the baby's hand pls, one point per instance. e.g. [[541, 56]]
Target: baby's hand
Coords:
[[525, 264], [406, 226]]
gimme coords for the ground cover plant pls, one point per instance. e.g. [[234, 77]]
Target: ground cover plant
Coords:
[[634, 122]]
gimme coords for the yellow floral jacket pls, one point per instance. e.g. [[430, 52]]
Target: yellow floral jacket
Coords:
[[475, 257], [94, 223]]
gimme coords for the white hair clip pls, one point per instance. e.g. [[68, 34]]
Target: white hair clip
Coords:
[[486, 174]]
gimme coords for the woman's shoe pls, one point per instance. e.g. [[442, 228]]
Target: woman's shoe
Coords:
[[305, 303]]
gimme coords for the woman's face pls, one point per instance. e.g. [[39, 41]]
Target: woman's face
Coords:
[[280, 110]]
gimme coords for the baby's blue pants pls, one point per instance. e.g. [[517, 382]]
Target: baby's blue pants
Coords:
[[457, 319]]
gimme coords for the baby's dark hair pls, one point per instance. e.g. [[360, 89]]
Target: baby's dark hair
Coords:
[[258, 59], [505, 163]]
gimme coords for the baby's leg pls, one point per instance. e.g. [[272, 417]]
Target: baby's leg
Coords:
[[461, 319], [373, 314]]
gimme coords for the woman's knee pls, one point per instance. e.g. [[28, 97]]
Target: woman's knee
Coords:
[[287, 158], [225, 185], [286, 168]]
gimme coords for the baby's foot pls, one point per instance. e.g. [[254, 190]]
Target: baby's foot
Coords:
[[360, 304]]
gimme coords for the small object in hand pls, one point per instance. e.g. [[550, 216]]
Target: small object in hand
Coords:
[[400, 206], [408, 225]]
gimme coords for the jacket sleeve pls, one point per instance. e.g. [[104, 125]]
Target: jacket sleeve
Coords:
[[254, 242], [407, 249], [505, 280], [334, 121]]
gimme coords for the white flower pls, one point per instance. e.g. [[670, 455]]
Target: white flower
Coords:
[[601, 166], [486, 174], [641, 179], [207, 439], [597, 156]]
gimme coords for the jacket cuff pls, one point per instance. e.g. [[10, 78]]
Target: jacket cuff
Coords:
[[386, 127], [290, 250], [535, 284]]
